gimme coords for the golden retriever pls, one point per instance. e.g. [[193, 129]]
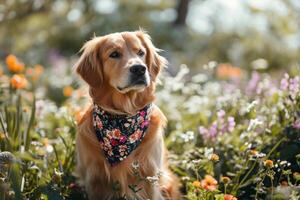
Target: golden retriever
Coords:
[[121, 70]]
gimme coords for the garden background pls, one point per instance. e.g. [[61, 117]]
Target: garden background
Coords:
[[230, 93]]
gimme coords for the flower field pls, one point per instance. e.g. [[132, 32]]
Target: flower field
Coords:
[[232, 134]]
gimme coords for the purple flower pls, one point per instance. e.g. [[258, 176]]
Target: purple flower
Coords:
[[221, 114], [284, 83], [297, 126], [213, 130], [231, 124], [252, 85], [294, 84]]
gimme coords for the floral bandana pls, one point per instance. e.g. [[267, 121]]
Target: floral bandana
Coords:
[[119, 135]]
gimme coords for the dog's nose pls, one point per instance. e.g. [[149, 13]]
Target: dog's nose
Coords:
[[138, 69]]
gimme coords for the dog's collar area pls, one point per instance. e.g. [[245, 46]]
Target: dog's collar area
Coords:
[[119, 135]]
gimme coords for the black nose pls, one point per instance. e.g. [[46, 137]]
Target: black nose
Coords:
[[138, 69]]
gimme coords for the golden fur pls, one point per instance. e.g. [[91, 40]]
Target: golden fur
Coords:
[[103, 75]]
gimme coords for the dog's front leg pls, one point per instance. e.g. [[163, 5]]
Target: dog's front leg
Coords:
[[97, 188]]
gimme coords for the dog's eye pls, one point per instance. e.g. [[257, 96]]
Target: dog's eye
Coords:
[[115, 54], [141, 53]]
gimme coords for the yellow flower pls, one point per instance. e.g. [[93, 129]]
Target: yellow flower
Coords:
[[197, 184], [45, 141], [296, 176], [68, 90], [214, 157], [269, 164], [225, 179], [2, 136], [18, 81], [13, 64]]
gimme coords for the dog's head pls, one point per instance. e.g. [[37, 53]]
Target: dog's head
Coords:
[[126, 61]]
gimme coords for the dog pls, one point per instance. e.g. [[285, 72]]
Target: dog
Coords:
[[119, 144]]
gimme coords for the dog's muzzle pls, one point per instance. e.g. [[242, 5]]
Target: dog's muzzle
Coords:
[[138, 75]]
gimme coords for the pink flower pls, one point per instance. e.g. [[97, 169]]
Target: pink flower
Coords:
[[144, 123], [143, 113], [297, 126], [123, 139]]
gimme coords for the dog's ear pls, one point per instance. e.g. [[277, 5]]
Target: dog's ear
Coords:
[[89, 65], [154, 61]]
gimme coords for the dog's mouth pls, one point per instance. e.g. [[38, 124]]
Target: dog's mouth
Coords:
[[135, 84]]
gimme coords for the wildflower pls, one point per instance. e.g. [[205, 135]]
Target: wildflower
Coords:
[[189, 135], [228, 71], [13, 64], [47, 145], [229, 197], [231, 124], [2, 136], [74, 186], [297, 126], [296, 176], [18, 81], [284, 83], [221, 114], [225, 179], [38, 69], [67, 91], [253, 124], [269, 164], [252, 84], [294, 85], [259, 64], [251, 105], [214, 157], [197, 184], [209, 183], [253, 152]]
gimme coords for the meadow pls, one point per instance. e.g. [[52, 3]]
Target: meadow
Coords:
[[232, 134]]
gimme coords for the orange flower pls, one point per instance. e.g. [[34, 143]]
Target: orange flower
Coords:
[[229, 197], [38, 69], [214, 157], [209, 183], [197, 184], [1, 72], [228, 71], [13, 64], [18, 81], [253, 152], [68, 90], [269, 164], [35, 72]]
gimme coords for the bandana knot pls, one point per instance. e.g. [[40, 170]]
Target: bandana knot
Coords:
[[119, 135]]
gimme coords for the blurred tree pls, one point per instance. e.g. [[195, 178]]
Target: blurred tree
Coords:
[[36, 29], [182, 11]]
